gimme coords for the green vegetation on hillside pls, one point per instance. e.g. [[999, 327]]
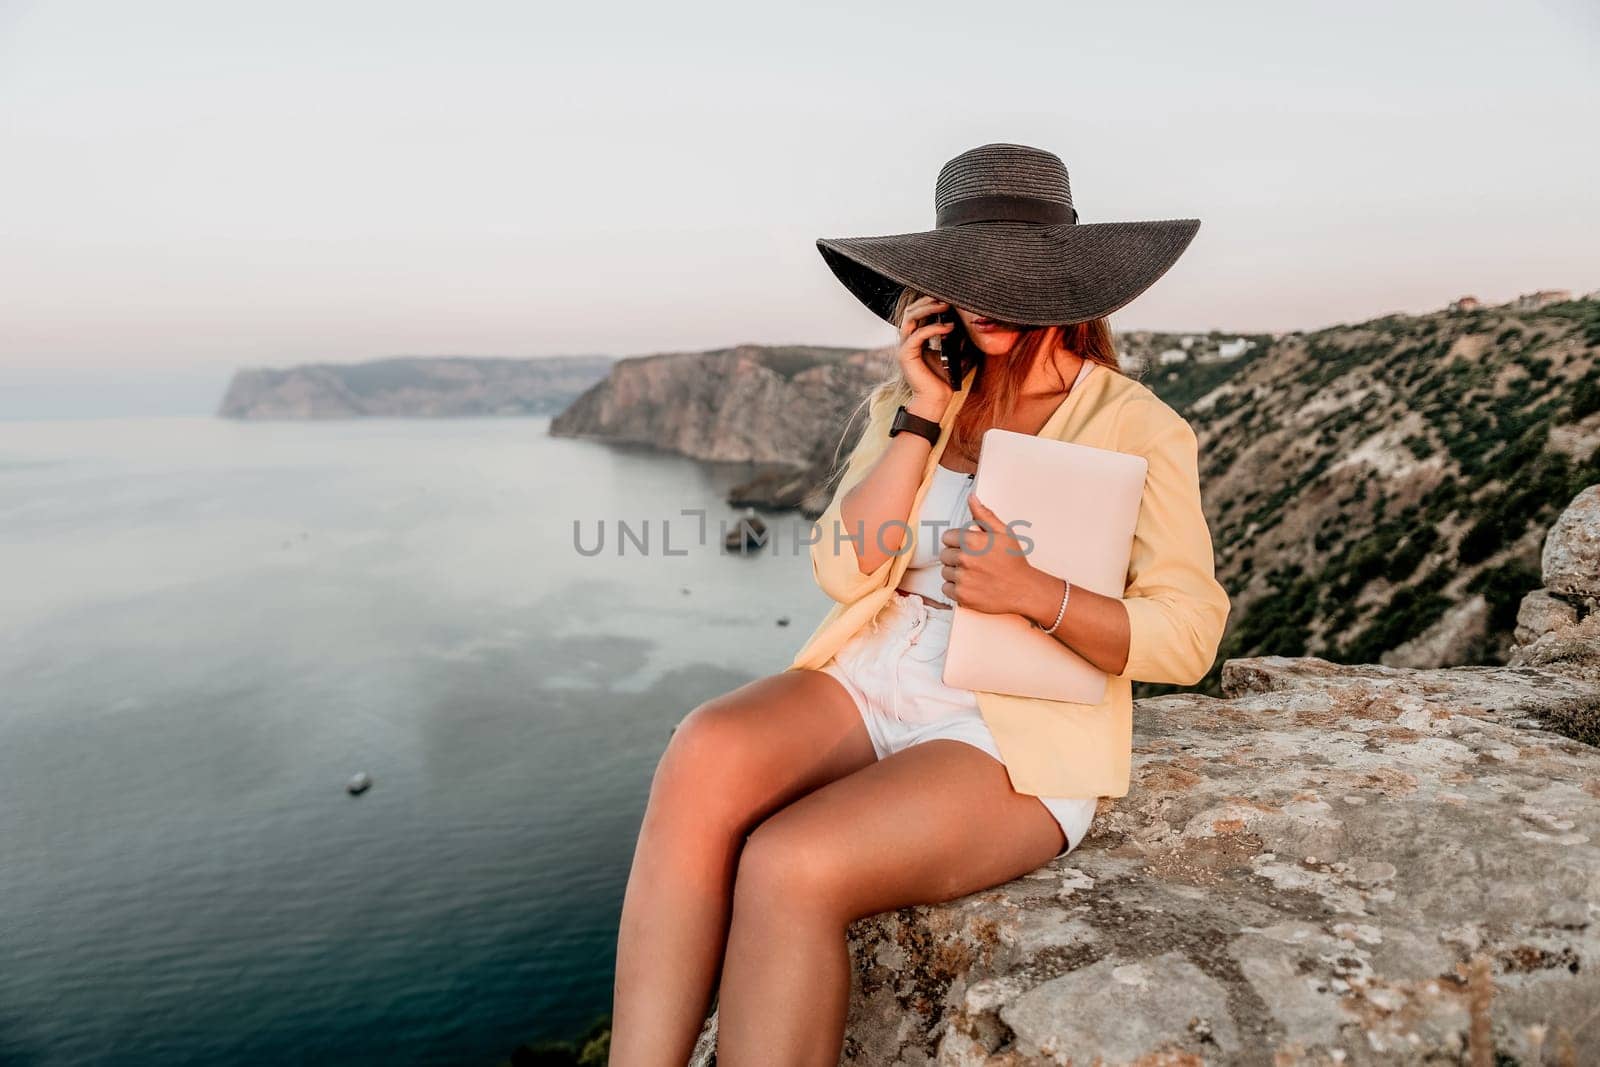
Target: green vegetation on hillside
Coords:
[[1181, 386], [1350, 560]]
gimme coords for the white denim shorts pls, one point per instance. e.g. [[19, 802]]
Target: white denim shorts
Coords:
[[893, 668]]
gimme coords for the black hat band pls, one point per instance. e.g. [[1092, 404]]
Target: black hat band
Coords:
[[1006, 207]]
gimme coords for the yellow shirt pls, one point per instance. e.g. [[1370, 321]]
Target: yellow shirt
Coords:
[[1176, 608]]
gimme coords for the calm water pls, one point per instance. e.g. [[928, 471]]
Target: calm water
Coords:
[[207, 627]]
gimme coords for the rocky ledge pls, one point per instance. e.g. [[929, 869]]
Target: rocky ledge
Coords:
[[1329, 865]]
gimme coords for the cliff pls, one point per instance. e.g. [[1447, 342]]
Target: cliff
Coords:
[[1329, 865], [786, 408], [413, 386]]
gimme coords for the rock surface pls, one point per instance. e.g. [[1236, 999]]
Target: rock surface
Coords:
[[1539, 614], [752, 403], [1571, 555], [1558, 625]]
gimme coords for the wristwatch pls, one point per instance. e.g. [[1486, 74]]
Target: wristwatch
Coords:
[[905, 420]]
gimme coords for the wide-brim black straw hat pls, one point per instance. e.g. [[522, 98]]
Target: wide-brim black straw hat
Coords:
[[1007, 244]]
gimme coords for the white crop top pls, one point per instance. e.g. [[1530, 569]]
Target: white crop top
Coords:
[[946, 502]]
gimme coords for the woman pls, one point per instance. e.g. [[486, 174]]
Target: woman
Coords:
[[856, 781]]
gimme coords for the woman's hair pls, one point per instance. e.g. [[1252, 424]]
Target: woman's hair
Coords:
[[995, 390]]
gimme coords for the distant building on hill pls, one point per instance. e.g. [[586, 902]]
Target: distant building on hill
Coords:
[[1224, 351], [1465, 303], [1172, 355], [1542, 298]]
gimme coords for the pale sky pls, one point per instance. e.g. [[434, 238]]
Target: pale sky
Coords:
[[186, 187]]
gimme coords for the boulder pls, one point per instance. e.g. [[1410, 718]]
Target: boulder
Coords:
[[1558, 627], [1540, 614], [1570, 650], [1571, 556]]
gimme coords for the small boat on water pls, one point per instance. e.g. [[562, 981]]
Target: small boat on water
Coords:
[[359, 784]]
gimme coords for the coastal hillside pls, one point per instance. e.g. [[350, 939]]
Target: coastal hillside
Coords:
[[1380, 492], [419, 386]]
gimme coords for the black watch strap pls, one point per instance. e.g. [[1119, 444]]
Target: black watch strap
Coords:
[[905, 420]]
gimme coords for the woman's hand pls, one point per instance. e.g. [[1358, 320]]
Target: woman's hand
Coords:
[[986, 568], [930, 390]]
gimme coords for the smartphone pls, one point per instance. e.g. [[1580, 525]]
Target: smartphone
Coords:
[[957, 350]]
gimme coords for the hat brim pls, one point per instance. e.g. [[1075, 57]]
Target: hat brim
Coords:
[[1021, 272]]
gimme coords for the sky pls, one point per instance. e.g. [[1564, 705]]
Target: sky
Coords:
[[190, 187]]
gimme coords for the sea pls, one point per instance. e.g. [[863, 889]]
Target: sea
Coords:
[[208, 627]]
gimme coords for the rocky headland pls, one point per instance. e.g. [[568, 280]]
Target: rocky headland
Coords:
[[785, 408], [419, 386]]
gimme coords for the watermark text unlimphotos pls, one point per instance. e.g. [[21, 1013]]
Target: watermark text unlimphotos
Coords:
[[691, 529]]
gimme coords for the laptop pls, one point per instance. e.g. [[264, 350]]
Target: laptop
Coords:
[[1079, 505]]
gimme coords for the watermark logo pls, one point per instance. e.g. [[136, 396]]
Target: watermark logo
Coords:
[[691, 528]]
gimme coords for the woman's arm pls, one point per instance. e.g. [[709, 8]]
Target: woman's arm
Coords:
[[877, 509], [845, 557], [1093, 626], [1176, 608], [858, 535]]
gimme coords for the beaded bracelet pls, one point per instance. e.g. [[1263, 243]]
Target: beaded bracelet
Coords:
[[1066, 592]]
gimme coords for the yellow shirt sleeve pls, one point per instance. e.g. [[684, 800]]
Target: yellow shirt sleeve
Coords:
[[1177, 609], [834, 562]]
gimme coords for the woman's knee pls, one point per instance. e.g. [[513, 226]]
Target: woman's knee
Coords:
[[704, 740], [790, 867], [704, 754]]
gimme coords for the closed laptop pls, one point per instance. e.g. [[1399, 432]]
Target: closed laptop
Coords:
[[1079, 506]]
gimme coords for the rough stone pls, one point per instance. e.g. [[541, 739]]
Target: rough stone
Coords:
[[1571, 650], [1571, 556], [1540, 614]]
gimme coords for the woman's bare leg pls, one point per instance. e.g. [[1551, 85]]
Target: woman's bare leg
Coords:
[[932, 822], [730, 763]]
